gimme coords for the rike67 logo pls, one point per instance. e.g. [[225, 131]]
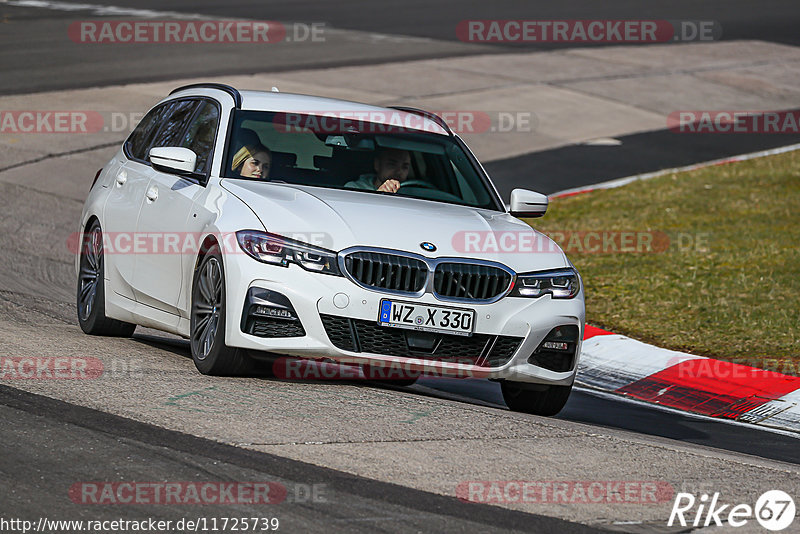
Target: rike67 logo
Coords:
[[774, 510]]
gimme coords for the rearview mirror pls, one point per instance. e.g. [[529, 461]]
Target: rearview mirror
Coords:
[[528, 204], [351, 141], [174, 159]]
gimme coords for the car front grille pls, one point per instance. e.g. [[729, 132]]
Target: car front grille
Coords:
[[339, 332], [470, 281], [356, 335], [405, 274], [502, 351], [387, 271]]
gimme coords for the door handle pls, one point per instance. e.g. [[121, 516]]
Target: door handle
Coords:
[[152, 194], [122, 177]]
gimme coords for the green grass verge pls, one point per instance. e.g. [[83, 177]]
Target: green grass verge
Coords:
[[728, 283]]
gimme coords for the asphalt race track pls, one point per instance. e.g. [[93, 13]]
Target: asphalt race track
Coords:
[[771, 20], [92, 441], [381, 32], [384, 459], [574, 166]]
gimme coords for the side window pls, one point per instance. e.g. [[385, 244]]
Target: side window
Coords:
[[201, 135], [140, 139], [174, 123]]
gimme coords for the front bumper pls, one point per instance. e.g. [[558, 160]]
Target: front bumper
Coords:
[[331, 309]]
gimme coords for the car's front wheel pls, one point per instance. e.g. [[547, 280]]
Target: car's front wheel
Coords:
[[544, 400], [91, 297], [207, 337]]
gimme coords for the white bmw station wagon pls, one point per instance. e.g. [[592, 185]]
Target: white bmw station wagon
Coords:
[[258, 224]]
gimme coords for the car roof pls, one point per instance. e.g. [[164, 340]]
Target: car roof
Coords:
[[317, 105]]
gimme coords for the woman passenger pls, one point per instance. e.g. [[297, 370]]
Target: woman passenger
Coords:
[[252, 161]]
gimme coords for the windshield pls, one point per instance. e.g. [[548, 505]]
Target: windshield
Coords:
[[324, 151]]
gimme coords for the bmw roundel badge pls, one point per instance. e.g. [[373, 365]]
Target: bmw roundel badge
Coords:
[[430, 247]]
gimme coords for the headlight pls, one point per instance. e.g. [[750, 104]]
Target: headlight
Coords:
[[278, 250], [560, 284]]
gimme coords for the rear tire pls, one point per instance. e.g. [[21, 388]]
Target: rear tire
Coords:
[[547, 402], [91, 296], [207, 325]]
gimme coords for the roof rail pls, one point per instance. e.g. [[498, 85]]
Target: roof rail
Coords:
[[237, 97], [427, 114]]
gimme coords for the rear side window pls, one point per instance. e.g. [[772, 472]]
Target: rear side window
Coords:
[[140, 140]]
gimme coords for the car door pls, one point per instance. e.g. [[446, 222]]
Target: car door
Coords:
[[165, 219], [124, 202]]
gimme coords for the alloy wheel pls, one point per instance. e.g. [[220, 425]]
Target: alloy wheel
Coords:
[[207, 308], [90, 272]]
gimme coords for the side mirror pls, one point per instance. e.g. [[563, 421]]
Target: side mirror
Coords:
[[173, 159], [528, 204]]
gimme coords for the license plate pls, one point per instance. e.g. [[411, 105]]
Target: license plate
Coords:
[[414, 316]]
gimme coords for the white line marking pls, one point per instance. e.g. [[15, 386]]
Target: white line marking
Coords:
[[101, 10], [603, 141]]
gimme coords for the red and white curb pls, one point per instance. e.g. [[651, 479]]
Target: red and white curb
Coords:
[[696, 384]]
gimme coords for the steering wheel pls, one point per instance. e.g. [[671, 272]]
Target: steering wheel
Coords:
[[418, 183]]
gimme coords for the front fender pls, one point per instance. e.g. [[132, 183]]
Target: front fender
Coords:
[[217, 215]]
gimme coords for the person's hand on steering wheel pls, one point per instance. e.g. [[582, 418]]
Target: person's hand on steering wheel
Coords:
[[418, 183], [390, 186]]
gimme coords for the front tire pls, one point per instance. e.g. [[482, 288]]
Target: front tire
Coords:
[[207, 338], [91, 296], [546, 402]]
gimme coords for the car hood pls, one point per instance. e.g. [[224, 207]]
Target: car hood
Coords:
[[337, 219]]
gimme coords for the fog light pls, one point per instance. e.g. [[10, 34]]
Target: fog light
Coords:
[[555, 345], [275, 313]]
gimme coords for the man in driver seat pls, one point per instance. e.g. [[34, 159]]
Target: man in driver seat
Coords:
[[391, 170]]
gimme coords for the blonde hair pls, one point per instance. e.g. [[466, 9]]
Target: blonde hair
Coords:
[[248, 151]]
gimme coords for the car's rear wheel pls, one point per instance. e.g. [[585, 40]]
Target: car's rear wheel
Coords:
[[207, 324], [91, 296], [547, 401]]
